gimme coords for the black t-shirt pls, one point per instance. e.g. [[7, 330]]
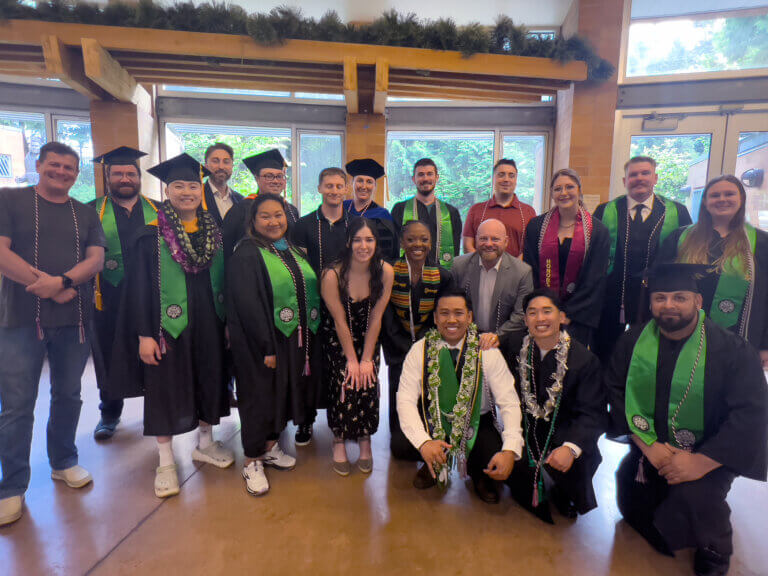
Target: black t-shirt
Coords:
[[56, 255]]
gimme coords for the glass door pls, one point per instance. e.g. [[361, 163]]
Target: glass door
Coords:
[[746, 157]]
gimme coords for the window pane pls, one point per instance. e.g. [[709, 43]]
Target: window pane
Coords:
[[529, 153], [227, 91], [77, 134], [464, 161], [245, 141], [316, 152], [751, 166], [682, 163], [21, 137], [697, 45]]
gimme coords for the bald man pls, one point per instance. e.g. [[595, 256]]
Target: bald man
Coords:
[[495, 281]]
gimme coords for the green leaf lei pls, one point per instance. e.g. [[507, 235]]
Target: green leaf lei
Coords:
[[462, 410]]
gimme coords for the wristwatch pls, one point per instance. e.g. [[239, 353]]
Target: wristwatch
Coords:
[[66, 281]]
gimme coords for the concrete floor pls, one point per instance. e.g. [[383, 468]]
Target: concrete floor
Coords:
[[314, 522]]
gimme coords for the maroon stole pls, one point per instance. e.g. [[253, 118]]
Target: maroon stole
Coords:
[[549, 254]]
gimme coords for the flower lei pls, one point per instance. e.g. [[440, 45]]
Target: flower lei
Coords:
[[192, 258], [553, 391], [462, 410]]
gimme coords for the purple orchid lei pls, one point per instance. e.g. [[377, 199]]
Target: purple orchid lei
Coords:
[[176, 238]]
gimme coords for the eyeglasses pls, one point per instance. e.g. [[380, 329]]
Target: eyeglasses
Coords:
[[273, 177]]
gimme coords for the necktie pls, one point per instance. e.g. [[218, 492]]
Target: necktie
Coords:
[[638, 213], [454, 354]]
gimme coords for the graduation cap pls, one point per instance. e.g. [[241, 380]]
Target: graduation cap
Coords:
[[123, 156], [270, 159], [182, 167], [675, 277], [365, 167]]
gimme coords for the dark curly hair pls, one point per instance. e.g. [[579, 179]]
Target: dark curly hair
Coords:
[[376, 283]]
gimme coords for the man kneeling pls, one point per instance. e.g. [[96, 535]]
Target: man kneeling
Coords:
[[446, 402]]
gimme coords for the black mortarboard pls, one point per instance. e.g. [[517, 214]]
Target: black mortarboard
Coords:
[[270, 159], [181, 167], [675, 277], [365, 167], [123, 155]]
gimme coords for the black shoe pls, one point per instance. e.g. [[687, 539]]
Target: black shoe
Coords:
[[707, 562], [486, 489], [423, 478], [563, 503], [105, 429], [303, 435]]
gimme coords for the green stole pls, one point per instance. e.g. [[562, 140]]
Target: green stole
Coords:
[[611, 221], [449, 389], [284, 296], [445, 248], [685, 419], [173, 290], [732, 286]]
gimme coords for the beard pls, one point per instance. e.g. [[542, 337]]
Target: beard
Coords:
[[125, 192], [672, 324], [220, 178], [425, 190]]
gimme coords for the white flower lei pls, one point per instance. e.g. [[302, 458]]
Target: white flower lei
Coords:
[[553, 391], [462, 410]]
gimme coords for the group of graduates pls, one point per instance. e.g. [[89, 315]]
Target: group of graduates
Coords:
[[502, 361]]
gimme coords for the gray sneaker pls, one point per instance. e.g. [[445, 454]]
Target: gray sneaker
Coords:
[[279, 459]]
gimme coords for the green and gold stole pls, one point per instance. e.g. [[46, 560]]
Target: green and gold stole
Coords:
[[611, 221], [685, 419], [444, 240], [284, 296], [114, 266], [401, 295], [732, 286]]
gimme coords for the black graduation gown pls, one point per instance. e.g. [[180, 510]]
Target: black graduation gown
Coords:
[[641, 252], [235, 223], [584, 306], [305, 234], [757, 331], [396, 342], [428, 215], [190, 382], [267, 398], [735, 435], [581, 419], [213, 208]]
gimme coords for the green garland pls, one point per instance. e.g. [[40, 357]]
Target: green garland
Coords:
[[283, 23]]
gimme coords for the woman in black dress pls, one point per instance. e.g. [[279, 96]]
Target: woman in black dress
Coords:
[[568, 251], [355, 291], [417, 283], [735, 286], [273, 317]]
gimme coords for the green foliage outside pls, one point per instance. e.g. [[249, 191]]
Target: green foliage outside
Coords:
[[316, 152], [674, 156]]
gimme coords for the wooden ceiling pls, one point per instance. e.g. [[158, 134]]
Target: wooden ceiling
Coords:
[[110, 62]]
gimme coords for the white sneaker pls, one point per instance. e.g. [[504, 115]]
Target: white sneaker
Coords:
[[11, 509], [279, 459], [166, 481], [74, 477], [216, 454], [255, 480]]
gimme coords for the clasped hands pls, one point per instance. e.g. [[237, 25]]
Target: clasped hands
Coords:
[[50, 287], [676, 465], [359, 375]]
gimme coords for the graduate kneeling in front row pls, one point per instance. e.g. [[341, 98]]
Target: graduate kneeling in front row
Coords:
[[564, 411], [446, 402], [172, 317], [692, 398]]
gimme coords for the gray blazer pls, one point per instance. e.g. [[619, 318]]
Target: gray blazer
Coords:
[[513, 282]]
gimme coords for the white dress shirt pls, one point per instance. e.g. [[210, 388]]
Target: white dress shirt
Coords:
[[647, 207], [496, 375], [484, 307], [223, 203]]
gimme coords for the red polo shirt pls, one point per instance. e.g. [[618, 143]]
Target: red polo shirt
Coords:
[[515, 217]]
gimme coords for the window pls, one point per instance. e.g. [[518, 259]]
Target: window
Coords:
[[77, 135], [530, 155], [696, 42], [21, 137], [227, 91], [464, 161], [316, 152], [245, 140], [751, 168], [5, 166]]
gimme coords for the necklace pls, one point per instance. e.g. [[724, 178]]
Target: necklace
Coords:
[[320, 234], [522, 219], [362, 214], [685, 438], [192, 258], [38, 324]]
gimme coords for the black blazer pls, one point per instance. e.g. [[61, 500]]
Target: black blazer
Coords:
[[211, 202]]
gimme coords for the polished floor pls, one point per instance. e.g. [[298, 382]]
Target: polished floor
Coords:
[[314, 522]]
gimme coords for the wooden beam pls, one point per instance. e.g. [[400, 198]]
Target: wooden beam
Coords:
[[105, 71], [61, 62], [350, 85], [474, 95], [244, 47], [185, 79], [382, 86], [243, 73]]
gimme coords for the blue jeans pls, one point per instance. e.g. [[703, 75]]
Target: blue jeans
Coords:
[[21, 363]]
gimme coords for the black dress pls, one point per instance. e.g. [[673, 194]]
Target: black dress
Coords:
[[267, 398], [189, 384], [357, 414]]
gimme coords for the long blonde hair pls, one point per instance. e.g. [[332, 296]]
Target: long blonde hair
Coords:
[[695, 247]]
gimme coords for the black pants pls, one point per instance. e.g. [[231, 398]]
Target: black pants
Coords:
[[111, 410], [399, 445], [688, 515], [487, 443]]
